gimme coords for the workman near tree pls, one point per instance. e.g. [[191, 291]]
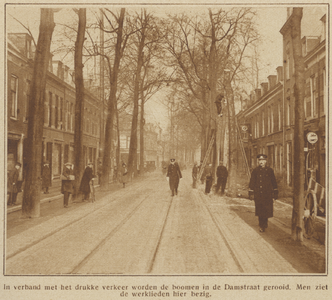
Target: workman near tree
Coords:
[[264, 190]]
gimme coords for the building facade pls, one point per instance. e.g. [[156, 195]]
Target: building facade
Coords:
[[267, 119], [59, 111]]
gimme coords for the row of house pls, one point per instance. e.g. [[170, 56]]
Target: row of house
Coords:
[[266, 120], [59, 112]]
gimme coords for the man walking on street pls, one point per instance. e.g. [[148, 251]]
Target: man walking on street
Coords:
[[194, 174], [222, 175], [264, 190], [173, 176]]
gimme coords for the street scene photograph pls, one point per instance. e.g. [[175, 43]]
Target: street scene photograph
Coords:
[[166, 140]]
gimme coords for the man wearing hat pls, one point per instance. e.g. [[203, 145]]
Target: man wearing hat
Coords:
[[194, 174], [12, 184], [46, 177], [173, 176], [264, 190], [85, 182], [67, 184], [222, 175]]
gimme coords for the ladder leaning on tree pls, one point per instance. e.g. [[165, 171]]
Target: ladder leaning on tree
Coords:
[[207, 154]]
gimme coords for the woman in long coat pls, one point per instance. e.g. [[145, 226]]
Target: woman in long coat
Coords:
[[264, 189], [173, 176], [85, 182]]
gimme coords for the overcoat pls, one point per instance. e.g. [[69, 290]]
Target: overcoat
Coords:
[[67, 185], [174, 174], [46, 177], [124, 173], [12, 181], [264, 186], [85, 182]]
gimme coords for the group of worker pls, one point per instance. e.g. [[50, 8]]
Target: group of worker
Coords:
[[263, 187]]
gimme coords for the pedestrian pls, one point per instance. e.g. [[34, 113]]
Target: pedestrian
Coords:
[[12, 184], [199, 169], [67, 184], [222, 175], [173, 176], [85, 182], [46, 177], [124, 175], [208, 178], [194, 174], [264, 190], [99, 170]]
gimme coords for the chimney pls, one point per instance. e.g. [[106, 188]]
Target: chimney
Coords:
[[258, 94], [265, 87], [272, 81], [280, 73]]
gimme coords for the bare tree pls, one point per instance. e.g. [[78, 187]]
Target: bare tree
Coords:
[[299, 177], [79, 103], [32, 186]]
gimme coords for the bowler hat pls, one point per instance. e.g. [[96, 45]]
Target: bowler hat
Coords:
[[172, 159], [262, 156]]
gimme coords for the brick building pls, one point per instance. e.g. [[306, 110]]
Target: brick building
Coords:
[[267, 118], [58, 131]]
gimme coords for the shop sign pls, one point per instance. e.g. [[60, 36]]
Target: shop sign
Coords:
[[312, 137]]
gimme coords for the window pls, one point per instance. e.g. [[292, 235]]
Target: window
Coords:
[[13, 96], [269, 120], [279, 116], [263, 123], [50, 109], [71, 116], [28, 91], [56, 117], [310, 103], [288, 111], [60, 113]]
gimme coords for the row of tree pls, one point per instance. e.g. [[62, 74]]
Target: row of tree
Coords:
[[202, 58]]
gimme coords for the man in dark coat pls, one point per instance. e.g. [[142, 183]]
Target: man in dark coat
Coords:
[[67, 184], [85, 182], [222, 175], [12, 184], [264, 190], [173, 176], [208, 178], [46, 177], [194, 174]]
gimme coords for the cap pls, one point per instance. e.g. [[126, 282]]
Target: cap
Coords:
[[68, 164], [262, 156], [90, 163], [172, 159]]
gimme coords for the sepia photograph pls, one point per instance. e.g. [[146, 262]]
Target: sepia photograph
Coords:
[[165, 150]]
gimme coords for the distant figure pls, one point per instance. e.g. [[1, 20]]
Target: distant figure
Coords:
[[208, 178], [264, 190], [222, 175], [173, 176], [67, 186], [199, 169], [46, 177], [99, 170], [124, 173], [85, 182], [12, 184], [194, 174]]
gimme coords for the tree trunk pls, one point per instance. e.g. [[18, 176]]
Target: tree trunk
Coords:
[[298, 200], [32, 184], [132, 158], [79, 104], [111, 101], [232, 177], [141, 167]]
